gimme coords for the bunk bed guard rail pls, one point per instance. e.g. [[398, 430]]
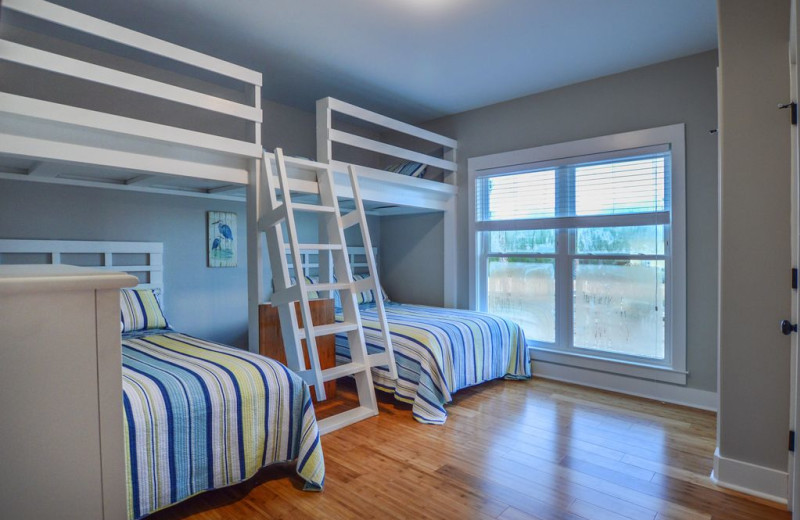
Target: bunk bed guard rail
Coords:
[[327, 135], [201, 155]]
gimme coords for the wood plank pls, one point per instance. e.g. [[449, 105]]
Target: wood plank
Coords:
[[509, 450]]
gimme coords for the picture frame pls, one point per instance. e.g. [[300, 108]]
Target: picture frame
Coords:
[[222, 239]]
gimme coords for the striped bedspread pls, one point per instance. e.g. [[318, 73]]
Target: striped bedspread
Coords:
[[440, 351], [199, 416]]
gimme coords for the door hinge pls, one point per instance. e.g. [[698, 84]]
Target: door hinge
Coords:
[[792, 109], [794, 278], [791, 440]]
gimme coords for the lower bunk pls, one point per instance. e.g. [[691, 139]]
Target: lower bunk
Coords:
[[199, 415], [440, 351]]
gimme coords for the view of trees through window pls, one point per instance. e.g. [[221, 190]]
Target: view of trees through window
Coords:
[[615, 289]]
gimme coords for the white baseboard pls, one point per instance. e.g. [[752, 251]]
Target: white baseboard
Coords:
[[767, 483], [703, 399]]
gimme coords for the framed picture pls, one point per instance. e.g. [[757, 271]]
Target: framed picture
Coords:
[[221, 239]]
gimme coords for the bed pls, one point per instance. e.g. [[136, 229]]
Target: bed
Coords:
[[197, 415], [439, 351]]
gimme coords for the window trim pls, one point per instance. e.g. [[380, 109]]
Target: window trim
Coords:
[[610, 146]]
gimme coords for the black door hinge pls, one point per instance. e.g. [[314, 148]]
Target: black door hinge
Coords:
[[791, 441], [793, 109], [794, 278]]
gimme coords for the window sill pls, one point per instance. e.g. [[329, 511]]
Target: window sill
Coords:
[[626, 368]]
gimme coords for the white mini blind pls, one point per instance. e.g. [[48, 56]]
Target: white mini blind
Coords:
[[620, 190]]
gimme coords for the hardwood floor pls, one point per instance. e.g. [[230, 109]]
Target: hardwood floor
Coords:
[[510, 450]]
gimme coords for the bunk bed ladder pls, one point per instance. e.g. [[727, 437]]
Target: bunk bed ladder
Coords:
[[274, 215], [359, 217]]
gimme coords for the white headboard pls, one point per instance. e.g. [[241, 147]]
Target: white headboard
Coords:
[[143, 260]]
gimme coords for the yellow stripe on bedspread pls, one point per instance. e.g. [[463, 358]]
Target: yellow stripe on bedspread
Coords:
[[200, 415]]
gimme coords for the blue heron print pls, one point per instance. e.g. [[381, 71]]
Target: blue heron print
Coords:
[[221, 239]]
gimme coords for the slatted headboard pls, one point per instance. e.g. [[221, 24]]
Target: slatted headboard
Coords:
[[310, 260], [143, 260]]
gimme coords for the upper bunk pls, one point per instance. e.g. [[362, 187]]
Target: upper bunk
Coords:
[[90, 103], [86, 102]]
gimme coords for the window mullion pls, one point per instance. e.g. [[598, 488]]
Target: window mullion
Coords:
[[565, 190]]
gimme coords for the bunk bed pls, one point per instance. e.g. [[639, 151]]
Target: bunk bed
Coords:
[[146, 115]]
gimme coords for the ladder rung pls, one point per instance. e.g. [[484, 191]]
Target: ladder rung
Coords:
[[337, 286], [313, 207], [318, 247], [271, 218], [351, 219], [378, 359], [290, 294], [347, 369], [306, 375], [363, 285], [343, 419], [331, 328]]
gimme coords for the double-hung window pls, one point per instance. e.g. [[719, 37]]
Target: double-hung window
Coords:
[[582, 244]]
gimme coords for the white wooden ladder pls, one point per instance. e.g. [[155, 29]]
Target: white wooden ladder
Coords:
[[279, 215]]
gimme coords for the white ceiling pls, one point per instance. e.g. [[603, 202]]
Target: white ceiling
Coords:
[[420, 59]]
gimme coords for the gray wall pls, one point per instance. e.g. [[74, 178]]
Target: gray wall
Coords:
[[679, 91], [210, 303], [754, 232], [412, 258]]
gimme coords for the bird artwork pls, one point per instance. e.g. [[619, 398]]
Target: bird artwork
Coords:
[[221, 239]]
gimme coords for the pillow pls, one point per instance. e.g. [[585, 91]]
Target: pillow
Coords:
[[140, 309], [410, 168]]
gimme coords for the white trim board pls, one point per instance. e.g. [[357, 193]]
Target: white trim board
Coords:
[[767, 483], [692, 397]]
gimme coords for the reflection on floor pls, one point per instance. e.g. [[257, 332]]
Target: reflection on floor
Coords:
[[510, 450]]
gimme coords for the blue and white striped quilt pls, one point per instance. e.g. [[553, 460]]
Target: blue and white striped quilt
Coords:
[[199, 415], [440, 351]]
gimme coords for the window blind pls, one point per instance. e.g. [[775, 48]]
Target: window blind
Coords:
[[579, 192]]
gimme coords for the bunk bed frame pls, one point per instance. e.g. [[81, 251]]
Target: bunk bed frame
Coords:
[[57, 143]]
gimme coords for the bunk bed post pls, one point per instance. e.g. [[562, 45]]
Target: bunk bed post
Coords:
[[255, 282], [324, 125], [450, 272], [324, 155]]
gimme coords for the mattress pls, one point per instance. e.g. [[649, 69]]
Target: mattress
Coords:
[[199, 415], [440, 351]]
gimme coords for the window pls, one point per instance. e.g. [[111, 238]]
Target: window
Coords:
[[582, 244]]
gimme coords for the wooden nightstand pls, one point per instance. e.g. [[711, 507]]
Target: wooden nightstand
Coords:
[[271, 342]]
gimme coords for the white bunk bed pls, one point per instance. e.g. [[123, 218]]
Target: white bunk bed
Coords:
[[47, 140]]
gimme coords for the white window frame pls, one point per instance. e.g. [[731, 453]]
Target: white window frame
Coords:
[[673, 368]]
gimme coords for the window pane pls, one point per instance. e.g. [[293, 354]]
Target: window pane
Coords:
[[524, 241], [619, 306], [635, 240], [524, 290], [613, 188], [517, 196]]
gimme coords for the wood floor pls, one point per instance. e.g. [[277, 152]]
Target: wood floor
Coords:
[[510, 450]]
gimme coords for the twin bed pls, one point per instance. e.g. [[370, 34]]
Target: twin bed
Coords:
[[440, 351], [199, 415]]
